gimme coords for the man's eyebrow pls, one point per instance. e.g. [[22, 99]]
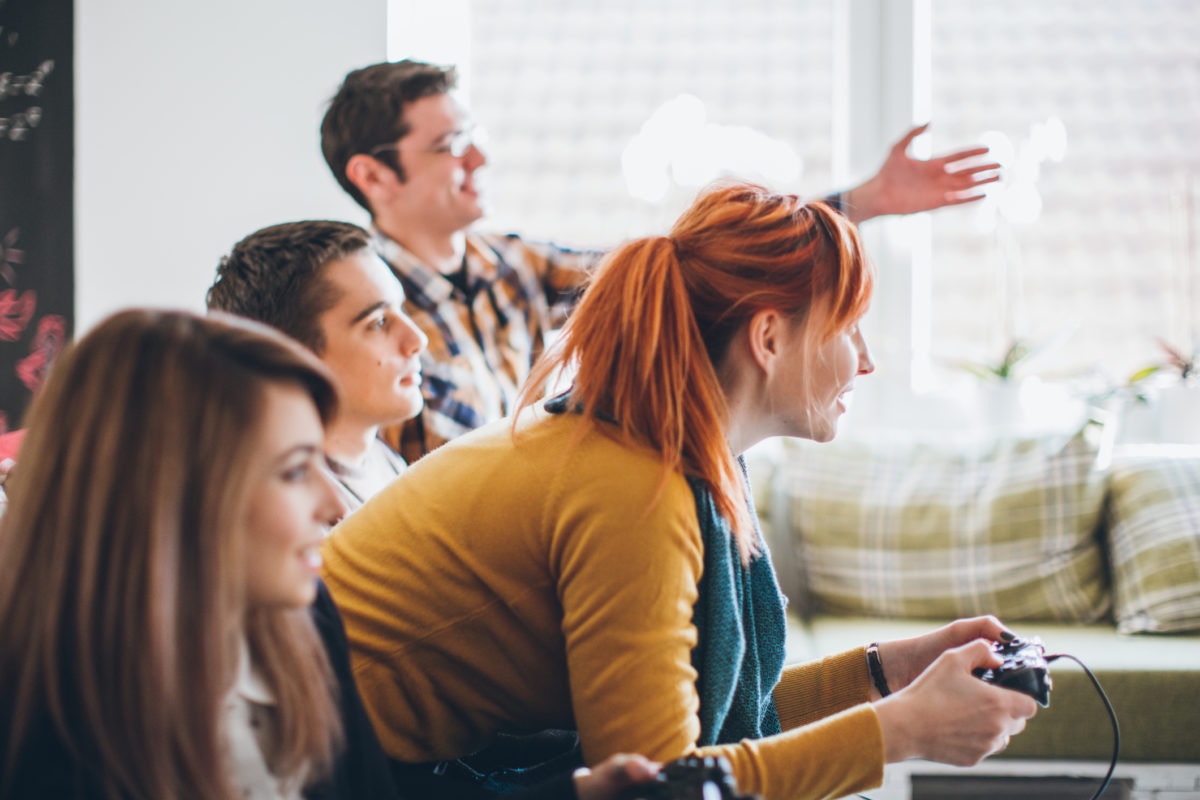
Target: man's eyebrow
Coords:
[[461, 127], [368, 311]]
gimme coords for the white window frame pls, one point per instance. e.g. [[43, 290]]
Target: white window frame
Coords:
[[882, 88]]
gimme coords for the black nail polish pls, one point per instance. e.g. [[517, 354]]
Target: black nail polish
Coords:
[[1007, 636]]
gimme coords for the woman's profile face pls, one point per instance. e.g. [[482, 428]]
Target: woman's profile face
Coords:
[[290, 504], [808, 395]]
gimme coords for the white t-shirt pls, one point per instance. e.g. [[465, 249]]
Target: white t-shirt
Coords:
[[249, 732]]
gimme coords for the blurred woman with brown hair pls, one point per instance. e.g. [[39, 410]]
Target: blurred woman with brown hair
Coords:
[[165, 634], [157, 562], [596, 562]]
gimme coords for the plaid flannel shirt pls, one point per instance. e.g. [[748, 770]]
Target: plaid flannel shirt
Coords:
[[482, 341]]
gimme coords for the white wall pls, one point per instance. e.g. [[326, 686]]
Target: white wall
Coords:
[[197, 123], [436, 32]]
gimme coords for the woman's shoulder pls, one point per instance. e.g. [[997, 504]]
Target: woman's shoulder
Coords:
[[538, 447], [597, 476], [596, 443]]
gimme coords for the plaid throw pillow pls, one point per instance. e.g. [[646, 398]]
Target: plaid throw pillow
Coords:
[[942, 532], [1154, 541]]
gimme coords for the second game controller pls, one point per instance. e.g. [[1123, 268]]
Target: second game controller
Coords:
[[690, 778]]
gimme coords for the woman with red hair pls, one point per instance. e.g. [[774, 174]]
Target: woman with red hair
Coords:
[[595, 564]]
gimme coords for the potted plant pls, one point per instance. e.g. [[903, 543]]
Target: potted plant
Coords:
[[1178, 398], [1006, 388]]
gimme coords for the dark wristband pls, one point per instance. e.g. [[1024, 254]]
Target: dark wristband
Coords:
[[875, 666], [836, 201]]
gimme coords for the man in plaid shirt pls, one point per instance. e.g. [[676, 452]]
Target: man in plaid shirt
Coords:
[[404, 147]]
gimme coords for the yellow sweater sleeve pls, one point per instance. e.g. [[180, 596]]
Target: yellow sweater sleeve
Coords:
[[628, 587], [834, 757], [814, 690]]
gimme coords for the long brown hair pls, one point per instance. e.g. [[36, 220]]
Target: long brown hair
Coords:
[[660, 312], [121, 571]]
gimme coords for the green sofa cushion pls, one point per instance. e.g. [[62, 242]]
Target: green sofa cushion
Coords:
[[1154, 540], [921, 531]]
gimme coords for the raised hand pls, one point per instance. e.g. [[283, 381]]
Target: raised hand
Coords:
[[906, 185]]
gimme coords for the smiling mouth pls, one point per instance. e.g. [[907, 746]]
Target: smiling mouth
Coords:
[[470, 187]]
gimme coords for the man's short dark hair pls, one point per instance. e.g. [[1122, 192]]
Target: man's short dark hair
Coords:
[[276, 276], [368, 111]]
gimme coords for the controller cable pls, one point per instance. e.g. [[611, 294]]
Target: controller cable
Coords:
[[1112, 716]]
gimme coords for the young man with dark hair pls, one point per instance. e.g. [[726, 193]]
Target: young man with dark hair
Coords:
[[322, 284], [397, 139]]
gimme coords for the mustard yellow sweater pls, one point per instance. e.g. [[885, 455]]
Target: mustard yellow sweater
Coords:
[[511, 586]]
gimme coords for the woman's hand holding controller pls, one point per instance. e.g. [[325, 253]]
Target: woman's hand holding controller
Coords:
[[946, 714]]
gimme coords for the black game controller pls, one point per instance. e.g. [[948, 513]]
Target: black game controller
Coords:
[[1024, 669], [690, 778]]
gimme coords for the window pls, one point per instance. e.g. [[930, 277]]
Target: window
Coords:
[[605, 118], [1091, 244]]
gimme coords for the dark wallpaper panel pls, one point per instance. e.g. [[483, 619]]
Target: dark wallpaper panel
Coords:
[[37, 119]]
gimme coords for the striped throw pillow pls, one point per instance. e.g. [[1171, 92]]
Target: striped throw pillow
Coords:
[[1154, 540], [917, 530]]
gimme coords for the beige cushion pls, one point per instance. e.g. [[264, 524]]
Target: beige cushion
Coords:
[[1154, 539], [918, 530]]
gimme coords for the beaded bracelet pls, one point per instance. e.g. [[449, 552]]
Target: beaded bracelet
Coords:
[[875, 666]]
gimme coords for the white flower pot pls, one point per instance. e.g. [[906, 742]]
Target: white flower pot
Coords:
[[1179, 414]]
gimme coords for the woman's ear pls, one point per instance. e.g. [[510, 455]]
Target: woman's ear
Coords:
[[763, 338]]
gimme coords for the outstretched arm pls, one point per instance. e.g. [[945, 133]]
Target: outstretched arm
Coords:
[[906, 185]]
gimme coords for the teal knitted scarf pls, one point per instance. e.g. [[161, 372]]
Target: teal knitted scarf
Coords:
[[739, 616]]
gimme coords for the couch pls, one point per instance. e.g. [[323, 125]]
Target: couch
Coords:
[[1093, 547]]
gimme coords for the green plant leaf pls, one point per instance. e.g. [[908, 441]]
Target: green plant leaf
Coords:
[[1143, 373]]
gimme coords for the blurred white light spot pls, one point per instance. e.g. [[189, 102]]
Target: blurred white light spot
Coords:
[[1022, 203], [1015, 197], [678, 146]]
